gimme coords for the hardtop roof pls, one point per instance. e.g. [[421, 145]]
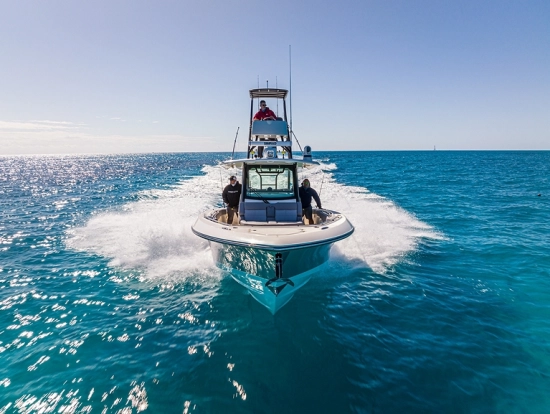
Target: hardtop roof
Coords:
[[269, 161], [268, 93]]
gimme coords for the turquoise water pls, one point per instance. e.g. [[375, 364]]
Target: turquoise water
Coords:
[[440, 301]]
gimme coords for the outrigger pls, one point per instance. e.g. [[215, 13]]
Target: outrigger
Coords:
[[269, 248]]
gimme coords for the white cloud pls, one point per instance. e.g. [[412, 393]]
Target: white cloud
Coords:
[[60, 123], [57, 137], [35, 125]]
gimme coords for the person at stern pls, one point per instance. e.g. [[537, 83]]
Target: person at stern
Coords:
[[231, 196], [306, 193]]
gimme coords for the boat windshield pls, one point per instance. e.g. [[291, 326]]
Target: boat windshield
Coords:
[[270, 182]]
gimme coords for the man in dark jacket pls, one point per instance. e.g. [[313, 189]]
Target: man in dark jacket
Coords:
[[231, 196], [306, 193]]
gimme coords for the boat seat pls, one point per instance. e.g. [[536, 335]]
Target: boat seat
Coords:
[[253, 211], [288, 212], [278, 212]]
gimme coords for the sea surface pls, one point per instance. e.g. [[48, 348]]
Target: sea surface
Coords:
[[439, 302]]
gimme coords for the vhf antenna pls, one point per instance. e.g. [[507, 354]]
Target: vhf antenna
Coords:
[[277, 87], [290, 84]]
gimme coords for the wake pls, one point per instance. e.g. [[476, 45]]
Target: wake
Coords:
[[154, 234], [384, 232]]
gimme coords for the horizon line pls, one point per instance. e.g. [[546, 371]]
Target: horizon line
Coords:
[[229, 152]]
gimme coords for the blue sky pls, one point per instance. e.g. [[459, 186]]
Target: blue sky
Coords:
[[144, 76]]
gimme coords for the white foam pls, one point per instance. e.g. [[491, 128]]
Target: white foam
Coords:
[[384, 233], [154, 234]]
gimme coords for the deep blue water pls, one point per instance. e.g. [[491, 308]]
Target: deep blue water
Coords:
[[440, 302]]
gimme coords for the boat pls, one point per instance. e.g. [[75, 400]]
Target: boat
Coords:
[[269, 248]]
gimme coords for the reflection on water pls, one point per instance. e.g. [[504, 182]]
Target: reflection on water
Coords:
[[261, 263], [108, 303]]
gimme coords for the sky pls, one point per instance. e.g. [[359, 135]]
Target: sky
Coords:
[[173, 76]]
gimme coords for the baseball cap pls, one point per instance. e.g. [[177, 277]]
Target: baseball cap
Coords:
[[232, 178]]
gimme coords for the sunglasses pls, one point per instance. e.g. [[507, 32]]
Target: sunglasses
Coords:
[[263, 105]]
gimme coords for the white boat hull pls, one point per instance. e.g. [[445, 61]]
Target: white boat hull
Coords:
[[272, 261]]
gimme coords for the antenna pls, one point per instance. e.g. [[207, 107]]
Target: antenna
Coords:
[[277, 87], [234, 142], [290, 84]]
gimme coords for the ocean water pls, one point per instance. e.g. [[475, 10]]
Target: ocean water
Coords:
[[439, 302]]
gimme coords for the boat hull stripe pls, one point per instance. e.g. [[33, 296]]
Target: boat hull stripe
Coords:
[[272, 247]]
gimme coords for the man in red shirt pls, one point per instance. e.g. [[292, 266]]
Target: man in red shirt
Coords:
[[264, 114]]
